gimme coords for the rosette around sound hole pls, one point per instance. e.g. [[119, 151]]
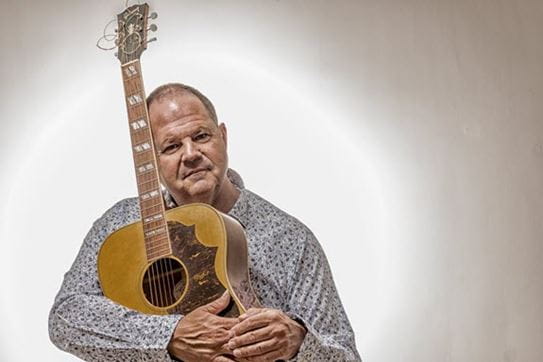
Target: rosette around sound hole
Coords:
[[164, 282]]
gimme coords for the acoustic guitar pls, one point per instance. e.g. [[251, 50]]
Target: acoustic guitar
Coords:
[[171, 261]]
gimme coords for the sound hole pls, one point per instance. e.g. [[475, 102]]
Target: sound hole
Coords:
[[164, 282]]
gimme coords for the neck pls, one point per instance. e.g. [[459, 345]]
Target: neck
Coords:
[[223, 200], [227, 197], [152, 208]]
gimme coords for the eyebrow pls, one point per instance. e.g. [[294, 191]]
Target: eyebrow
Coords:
[[170, 136]]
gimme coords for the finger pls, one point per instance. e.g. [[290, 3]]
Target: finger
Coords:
[[250, 312], [258, 349], [278, 354], [252, 322], [216, 306], [225, 322], [251, 337], [223, 359]]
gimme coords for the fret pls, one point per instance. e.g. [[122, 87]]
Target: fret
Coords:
[[153, 224], [149, 227], [158, 249], [155, 248], [136, 113], [146, 178], [158, 255], [150, 195], [130, 70], [153, 218], [146, 168], [144, 157], [153, 207], [134, 99], [138, 124], [149, 185], [141, 136], [154, 232], [145, 146], [145, 192]]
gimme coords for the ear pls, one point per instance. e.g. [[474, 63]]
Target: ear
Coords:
[[222, 128]]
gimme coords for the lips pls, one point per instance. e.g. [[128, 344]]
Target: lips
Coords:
[[192, 172]]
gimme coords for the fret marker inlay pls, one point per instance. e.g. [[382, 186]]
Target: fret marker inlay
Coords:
[[130, 71], [154, 232], [152, 218], [134, 99], [150, 195], [146, 167], [140, 123], [142, 147]]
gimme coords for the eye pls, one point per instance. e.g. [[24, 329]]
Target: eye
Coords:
[[202, 137], [170, 148]]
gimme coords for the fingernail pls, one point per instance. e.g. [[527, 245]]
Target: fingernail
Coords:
[[231, 345]]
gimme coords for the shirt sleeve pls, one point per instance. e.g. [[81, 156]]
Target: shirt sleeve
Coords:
[[85, 323], [313, 300]]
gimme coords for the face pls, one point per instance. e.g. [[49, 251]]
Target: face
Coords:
[[191, 148]]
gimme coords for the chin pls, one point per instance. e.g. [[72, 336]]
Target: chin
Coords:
[[200, 194]]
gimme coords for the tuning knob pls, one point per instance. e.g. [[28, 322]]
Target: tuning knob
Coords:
[[153, 15], [153, 27]]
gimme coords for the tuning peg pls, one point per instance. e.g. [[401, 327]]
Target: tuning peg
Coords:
[[150, 40], [153, 27], [153, 15]]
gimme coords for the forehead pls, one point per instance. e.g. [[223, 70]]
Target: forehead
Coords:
[[177, 107]]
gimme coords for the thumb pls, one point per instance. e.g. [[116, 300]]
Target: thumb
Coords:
[[218, 304]]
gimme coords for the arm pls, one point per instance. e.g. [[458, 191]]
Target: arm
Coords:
[[85, 323], [312, 326], [313, 299]]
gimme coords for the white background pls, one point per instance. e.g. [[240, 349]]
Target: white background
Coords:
[[407, 134]]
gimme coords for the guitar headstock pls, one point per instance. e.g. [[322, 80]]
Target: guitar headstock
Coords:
[[132, 32]]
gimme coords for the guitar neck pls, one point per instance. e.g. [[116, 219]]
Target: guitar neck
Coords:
[[152, 207]]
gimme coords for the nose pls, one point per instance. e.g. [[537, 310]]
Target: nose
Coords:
[[191, 152]]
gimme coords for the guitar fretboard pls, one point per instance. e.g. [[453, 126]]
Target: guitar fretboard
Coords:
[[152, 208]]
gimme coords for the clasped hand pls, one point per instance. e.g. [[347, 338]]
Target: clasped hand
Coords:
[[261, 334]]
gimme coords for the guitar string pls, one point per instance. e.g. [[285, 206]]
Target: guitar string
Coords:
[[157, 282], [161, 282], [153, 269], [165, 281], [168, 268], [172, 280]]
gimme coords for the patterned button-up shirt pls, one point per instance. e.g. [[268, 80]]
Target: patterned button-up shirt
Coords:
[[288, 271]]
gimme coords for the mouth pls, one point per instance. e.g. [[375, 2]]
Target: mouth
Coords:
[[193, 172]]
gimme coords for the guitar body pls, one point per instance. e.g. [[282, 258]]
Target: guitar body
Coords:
[[209, 256]]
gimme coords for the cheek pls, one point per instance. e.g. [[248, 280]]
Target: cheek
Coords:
[[167, 168], [217, 155]]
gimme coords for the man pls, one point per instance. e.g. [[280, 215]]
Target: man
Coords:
[[303, 319]]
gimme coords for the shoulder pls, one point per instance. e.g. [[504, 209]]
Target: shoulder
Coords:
[[268, 220], [123, 212]]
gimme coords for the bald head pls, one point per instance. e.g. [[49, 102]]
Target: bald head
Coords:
[[170, 90]]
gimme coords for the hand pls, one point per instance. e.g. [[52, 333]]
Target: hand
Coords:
[[265, 334], [201, 335]]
